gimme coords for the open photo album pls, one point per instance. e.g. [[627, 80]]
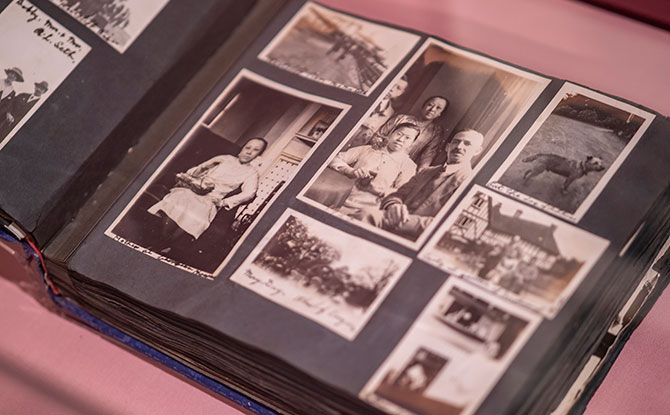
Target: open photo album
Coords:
[[328, 214]]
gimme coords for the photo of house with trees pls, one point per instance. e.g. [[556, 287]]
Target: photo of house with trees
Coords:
[[512, 249]]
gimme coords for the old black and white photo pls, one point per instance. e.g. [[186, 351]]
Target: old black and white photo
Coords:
[[571, 152], [339, 50], [514, 250], [452, 355], [118, 22], [225, 172], [36, 57], [322, 273], [410, 156]]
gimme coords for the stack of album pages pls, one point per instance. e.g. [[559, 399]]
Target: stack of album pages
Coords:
[[330, 214]]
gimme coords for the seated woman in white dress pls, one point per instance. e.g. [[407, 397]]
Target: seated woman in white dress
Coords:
[[204, 190]]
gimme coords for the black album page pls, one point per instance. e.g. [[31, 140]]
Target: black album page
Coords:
[[81, 80], [401, 218]]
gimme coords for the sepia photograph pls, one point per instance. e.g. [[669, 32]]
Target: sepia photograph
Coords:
[[412, 154], [326, 275], [573, 149], [453, 354], [117, 22], [513, 250], [226, 171], [337, 49], [36, 56]]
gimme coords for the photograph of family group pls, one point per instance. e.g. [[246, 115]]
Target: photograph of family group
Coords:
[[410, 156], [226, 171], [567, 157], [336, 49], [452, 355], [514, 250], [32, 65]]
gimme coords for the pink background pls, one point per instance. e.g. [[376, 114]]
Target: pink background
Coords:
[[50, 365]]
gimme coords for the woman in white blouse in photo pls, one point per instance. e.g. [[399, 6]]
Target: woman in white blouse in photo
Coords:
[[204, 190]]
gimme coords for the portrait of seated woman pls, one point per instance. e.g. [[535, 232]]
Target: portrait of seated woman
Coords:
[[223, 176], [210, 192], [358, 178], [376, 170]]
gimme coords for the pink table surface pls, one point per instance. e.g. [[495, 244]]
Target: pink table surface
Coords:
[[51, 365]]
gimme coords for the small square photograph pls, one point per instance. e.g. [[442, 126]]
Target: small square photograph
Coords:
[[195, 209], [571, 152], [117, 22], [337, 49], [453, 354], [328, 276], [412, 154], [513, 250], [35, 57]]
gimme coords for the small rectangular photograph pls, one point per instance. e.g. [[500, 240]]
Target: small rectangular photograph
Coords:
[[326, 275], [453, 354], [574, 148], [337, 49], [37, 54], [437, 123], [117, 22], [513, 250], [195, 209]]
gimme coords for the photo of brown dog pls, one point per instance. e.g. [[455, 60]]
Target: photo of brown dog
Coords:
[[570, 169], [569, 155]]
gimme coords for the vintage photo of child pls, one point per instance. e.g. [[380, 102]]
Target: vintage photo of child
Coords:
[[453, 354], [226, 171], [567, 157], [117, 22], [322, 273], [36, 56], [513, 250], [337, 49], [412, 154]]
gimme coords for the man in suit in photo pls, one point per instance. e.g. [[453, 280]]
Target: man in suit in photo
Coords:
[[7, 93], [19, 106], [7, 85], [409, 210]]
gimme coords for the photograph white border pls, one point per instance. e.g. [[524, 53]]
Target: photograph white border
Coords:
[[251, 76], [569, 88], [119, 48], [299, 14], [403, 263], [533, 322], [60, 32], [416, 245], [551, 309]]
